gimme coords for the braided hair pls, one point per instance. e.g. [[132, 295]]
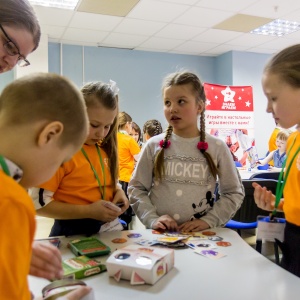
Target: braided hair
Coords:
[[152, 128], [184, 78]]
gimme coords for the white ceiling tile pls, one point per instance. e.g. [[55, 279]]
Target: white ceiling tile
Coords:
[[186, 2], [195, 47], [202, 17], [157, 11], [279, 45], [216, 35], [176, 31], [83, 35], [232, 5], [54, 32], [53, 16], [94, 21], [267, 8], [251, 40], [225, 48], [140, 27], [123, 40], [161, 43]]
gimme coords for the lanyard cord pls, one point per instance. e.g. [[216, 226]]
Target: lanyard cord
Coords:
[[282, 179], [101, 188], [4, 166]]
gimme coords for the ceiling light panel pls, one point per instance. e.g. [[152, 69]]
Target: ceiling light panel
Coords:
[[277, 27]]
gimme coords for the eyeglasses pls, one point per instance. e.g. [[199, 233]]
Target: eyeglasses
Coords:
[[13, 50]]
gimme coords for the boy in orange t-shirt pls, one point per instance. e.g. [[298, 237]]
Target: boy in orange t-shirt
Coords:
[[37, 136]]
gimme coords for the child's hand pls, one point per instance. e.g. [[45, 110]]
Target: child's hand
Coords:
[[77, 294], [195, 225], [45, 261], [165, 222], [121, 200], [99, 210], [264, 199]]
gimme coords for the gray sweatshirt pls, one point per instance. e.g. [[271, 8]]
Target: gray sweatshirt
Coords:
[[187, 189]]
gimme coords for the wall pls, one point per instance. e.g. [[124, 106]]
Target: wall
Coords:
[[138, 74]]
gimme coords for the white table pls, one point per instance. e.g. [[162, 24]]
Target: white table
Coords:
[[242, 274], [246, 174]]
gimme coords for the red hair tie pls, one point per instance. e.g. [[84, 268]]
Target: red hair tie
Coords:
[[202, 146], [164, 144]]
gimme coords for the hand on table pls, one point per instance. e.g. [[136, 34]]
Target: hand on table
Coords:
[[195, 225], [45, 261], [77, 294], [165, 222]]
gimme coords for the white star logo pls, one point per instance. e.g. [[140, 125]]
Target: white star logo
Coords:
[[248, 104], [228, 94], [207, 102]]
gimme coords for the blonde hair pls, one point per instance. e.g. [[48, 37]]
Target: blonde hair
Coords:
[[99, 92], [123, 119], [283, 135], [286, 64], [20, 13], [184, 78], [45, 96]]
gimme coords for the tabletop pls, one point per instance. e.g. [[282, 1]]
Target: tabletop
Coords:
[[242, 273], [246, 174]]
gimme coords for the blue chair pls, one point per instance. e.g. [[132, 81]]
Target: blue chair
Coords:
[[238, 226]]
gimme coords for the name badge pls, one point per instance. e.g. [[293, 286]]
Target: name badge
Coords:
[[270, 230]]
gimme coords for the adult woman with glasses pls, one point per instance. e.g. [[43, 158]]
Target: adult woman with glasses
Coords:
[[19, 33]]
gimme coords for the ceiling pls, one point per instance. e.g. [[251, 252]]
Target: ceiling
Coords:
[[172, 26]]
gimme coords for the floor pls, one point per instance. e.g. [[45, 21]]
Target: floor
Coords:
[[44, 225]]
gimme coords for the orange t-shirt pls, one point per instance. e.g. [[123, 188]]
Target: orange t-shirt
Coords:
[[127, 148], [272, 143], [17, 227], [291, 206], [75, 182]]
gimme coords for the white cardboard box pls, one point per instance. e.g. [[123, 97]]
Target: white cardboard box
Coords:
[[140, 264]]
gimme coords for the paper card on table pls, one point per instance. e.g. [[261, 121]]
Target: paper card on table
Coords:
[[201, 245], [270, 230], [112, 226], [210, 253]]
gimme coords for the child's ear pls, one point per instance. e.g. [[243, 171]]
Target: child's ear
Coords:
[[49, 133], [201, 106]]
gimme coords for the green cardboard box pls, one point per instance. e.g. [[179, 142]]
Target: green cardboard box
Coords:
[[82, 267]]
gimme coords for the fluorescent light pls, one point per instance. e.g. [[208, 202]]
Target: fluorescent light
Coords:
[[277, 27], [67, 4]]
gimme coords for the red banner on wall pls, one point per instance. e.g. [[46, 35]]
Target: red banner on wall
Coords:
[[229, 116]]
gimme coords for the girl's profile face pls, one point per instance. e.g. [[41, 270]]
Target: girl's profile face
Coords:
[[283, 100], [182, 109], [101, 119], [21, 38]]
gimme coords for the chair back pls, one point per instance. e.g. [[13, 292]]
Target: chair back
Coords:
[[266, 175], [249, 211]]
